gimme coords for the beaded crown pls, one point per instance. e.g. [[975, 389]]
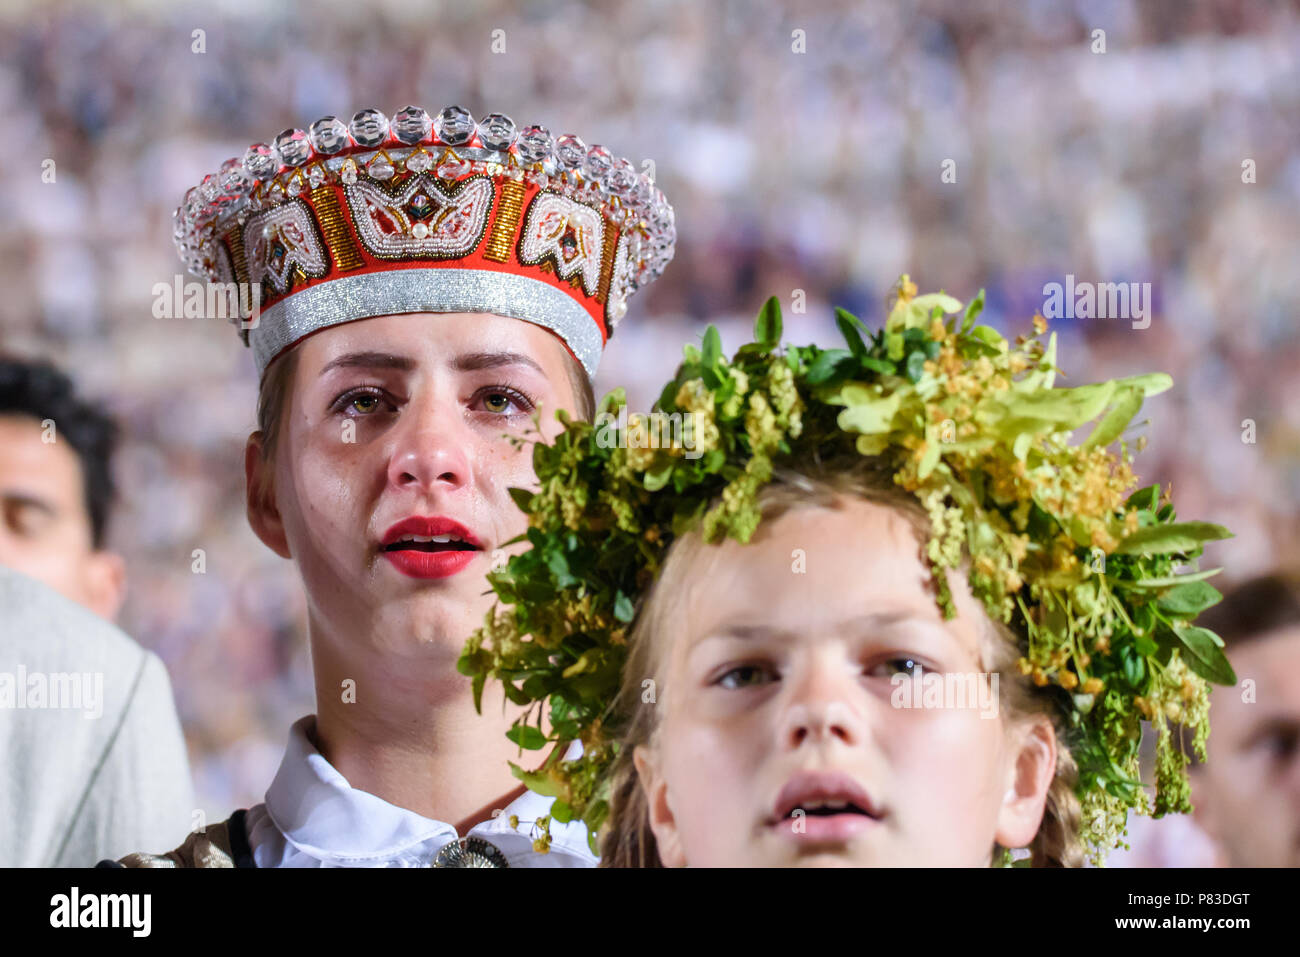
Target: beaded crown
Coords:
[[381, 216]]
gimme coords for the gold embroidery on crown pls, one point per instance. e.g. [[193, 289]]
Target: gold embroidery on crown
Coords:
[[507, 222], [342, 247]]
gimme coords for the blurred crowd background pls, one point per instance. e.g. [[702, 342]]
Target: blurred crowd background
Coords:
[[816, 171]]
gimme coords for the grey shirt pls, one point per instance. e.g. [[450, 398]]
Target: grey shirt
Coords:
[[92, 759]]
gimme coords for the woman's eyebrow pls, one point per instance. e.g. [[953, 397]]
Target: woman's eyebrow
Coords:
[[369, 360], [474, 361]]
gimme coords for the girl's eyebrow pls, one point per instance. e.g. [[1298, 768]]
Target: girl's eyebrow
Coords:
[[877, 620]]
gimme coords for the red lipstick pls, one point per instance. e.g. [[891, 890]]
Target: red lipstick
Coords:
[[429, 547]]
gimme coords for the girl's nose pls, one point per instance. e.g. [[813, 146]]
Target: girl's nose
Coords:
[[822, 706]]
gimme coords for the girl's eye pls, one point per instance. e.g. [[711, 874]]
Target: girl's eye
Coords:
[[499, 400], [1281, 744], [901, 665], [745, 676]]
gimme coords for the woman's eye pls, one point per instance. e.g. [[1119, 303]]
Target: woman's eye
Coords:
[[745, 676], [496, 402], [359, 402], [503, 401]]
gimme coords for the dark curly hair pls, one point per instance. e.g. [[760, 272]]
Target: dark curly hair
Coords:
[[38, 389]]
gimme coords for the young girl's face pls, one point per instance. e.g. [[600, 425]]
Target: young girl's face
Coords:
[[780, 742]]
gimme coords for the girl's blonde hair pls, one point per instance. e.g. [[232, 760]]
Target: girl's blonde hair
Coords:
[[626, 839]]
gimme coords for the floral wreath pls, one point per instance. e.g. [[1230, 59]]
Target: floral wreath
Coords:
[[1088, 572]]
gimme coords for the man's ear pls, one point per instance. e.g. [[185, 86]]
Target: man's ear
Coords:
[[660, 814], [105, 583], [259, 493], [1028, 780]]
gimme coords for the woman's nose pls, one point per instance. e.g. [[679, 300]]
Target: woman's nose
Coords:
[[434, 446]]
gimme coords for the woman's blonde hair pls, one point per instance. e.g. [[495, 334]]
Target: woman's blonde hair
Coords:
[[626, 839]]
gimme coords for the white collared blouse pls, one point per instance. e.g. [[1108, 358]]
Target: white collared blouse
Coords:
[[312, 817]]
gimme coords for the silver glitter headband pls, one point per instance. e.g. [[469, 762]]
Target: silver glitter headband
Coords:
[[367, 295]]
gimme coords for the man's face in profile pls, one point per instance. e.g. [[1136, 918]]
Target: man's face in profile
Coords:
[[45, 529], [1248, 794]]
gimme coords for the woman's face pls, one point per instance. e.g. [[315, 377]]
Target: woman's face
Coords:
[[408, 418], [784, 738]]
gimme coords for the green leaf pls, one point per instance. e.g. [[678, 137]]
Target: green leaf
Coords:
[[561, 812], [1068, 408], [852, 329], [767, 327], [828, 365], [990, 338], [930, 459], [1153, 583], [916, 365], [924, 305], [872, 416], [972, 312], [1204, 656], [894, 346], [523, 498], [657, 477], [526, 736], [1189, 599], [623, 608], [559, 566], [1135, 669], [1114, 422], [477, 687], [712, 346], [878, 365], [537, 782], [1181, 537]]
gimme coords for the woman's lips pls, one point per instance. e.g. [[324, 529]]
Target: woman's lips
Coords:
[[429, 564], [429, 546]]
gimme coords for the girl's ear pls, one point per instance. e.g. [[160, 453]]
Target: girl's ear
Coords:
[[1028, 781], [658, 811], [263, 516]]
